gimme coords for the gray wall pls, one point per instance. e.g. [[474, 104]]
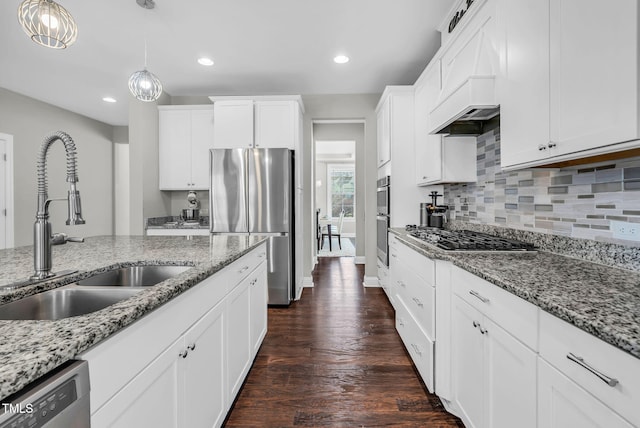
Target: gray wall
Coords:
[[146, 200], [341, 107], [30, 121]]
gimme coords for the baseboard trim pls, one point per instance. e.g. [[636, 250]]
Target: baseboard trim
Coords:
[[371, 281], [307, 282], [359, 260]]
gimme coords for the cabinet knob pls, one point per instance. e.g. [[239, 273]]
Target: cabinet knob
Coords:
[[542, 147], [191, 347], [183, 354], [552, 144], [424, 177], [476, 324], [483, 330]]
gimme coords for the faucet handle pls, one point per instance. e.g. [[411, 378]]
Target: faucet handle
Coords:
[[62, 238]]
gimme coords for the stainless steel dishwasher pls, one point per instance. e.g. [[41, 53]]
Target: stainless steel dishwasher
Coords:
[[59, 399]]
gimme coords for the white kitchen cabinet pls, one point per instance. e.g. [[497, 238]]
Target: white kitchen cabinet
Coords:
[[233, 124], [563, 404], [239, 326], [259, 297], [438, 159], [276, 124], [569, 85], [257, 122], [384, 132], [191, 354], [185, 137], [494, 374]]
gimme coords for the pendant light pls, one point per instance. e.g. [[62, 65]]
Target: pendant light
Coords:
[[47, 23], [143, 84]]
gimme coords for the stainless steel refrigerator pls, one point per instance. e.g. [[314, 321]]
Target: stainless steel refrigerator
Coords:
[[252, 192]]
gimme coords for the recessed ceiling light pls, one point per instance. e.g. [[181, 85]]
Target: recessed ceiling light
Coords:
[[341, 59], [109, 100], [205, 61]]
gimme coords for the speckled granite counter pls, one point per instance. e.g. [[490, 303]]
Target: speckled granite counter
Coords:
[[29, 349], [601, 300]]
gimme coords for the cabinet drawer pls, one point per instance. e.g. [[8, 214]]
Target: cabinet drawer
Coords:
[[241, 268], [420, 264], [420, 348], [560, 341], [517, 316], [383, 275], [393, 241], [419, 299]]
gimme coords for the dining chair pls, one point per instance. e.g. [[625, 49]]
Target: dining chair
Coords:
[[334, 230]]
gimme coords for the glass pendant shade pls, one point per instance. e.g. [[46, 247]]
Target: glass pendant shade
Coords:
[[145, 86], [47, 23]]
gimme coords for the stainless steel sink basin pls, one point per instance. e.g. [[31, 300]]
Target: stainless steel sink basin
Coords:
[[135, 276], [64, 302]]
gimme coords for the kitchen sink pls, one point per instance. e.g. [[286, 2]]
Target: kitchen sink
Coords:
[[135, 276], [64, 302]]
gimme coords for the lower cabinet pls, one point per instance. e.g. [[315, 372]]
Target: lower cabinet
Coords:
[[140, 377], [494, 374], [563, 404]]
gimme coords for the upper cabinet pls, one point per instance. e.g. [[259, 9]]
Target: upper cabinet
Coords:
[[384, 132], [438, 159], [569, 79], [185, 137], [257, 122]]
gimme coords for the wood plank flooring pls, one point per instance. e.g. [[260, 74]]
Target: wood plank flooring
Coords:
[[334, 359]]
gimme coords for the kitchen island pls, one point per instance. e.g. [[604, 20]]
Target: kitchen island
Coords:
[[30, 349]]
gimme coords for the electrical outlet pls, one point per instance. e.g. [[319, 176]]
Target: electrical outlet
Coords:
[[626, 230]]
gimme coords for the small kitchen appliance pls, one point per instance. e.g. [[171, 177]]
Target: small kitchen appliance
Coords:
[[435, 214], [192, 213]]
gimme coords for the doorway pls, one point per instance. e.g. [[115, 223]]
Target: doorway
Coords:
[[6, 191], [338, 178]]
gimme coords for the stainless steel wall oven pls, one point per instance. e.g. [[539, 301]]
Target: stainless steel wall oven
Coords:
[[383, 219]]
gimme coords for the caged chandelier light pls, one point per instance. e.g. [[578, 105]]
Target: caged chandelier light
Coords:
[[47, 23], [143, 84]]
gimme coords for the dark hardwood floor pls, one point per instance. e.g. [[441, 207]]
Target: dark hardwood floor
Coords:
[[334, 359]]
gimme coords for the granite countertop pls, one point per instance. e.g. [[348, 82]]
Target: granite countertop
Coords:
[[601, 300], [29, 349], [176, 222]]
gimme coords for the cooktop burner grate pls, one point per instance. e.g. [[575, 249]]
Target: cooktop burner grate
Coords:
[[466, 240]]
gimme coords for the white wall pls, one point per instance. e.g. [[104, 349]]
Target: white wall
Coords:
[[343, 107], [30, 121]]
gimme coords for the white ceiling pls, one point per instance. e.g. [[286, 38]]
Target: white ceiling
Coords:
[[260, 47]]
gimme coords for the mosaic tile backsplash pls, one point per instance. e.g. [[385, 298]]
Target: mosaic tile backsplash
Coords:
[[578, 202]]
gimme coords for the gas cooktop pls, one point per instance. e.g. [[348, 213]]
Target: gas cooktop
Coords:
[[466, 240]]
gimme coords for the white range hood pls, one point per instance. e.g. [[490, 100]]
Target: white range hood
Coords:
[[468, 95]]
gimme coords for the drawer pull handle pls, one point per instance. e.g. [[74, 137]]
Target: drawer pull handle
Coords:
[[401, 284], [262, 254], [418, 302], [417, 349], [474, 293], [401, 322], [243, 269], [393, 255], [580, 361]]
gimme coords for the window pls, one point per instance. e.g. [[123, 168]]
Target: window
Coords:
[[341, 192]]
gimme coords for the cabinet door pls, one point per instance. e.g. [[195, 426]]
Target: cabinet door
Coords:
[[275, 123], [468, 365], [238, 337], [384, 133], [233, 124], [563, 404], [510, 380], [201, 143], [428, 147], [174, 145], [152, 399], [594, 73], [204, 371], [259, 299], [523, 83]]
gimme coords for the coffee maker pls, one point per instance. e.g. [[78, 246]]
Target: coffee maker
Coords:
[[432, 214]]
